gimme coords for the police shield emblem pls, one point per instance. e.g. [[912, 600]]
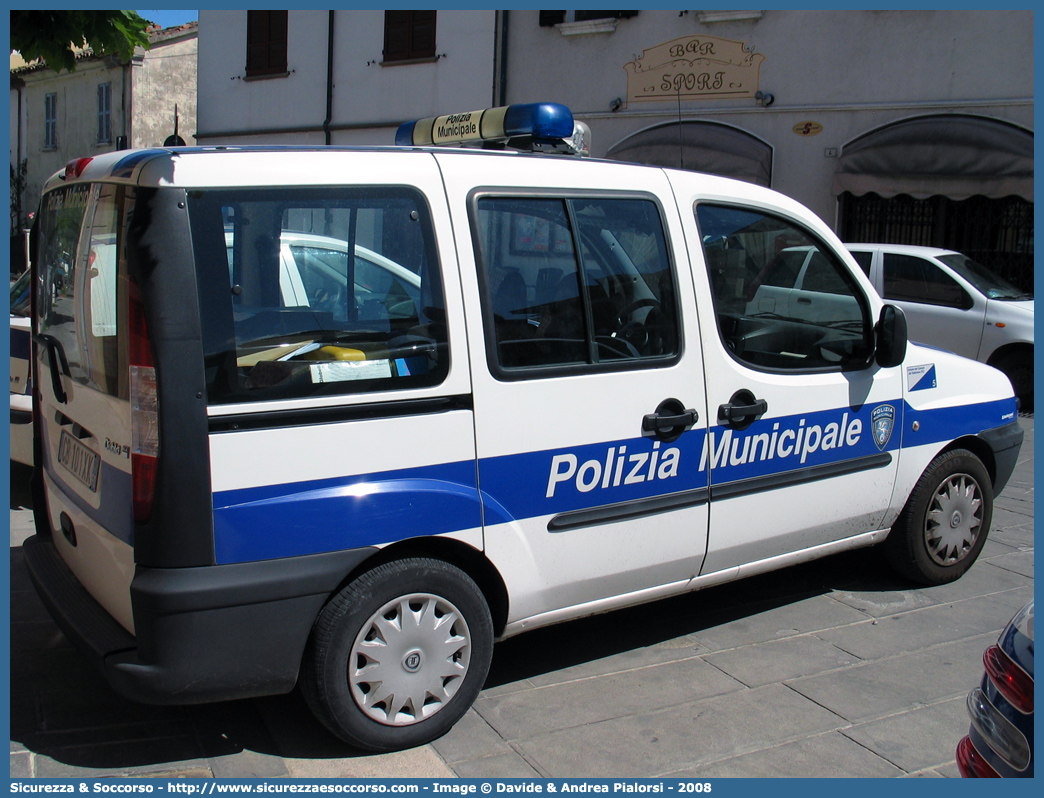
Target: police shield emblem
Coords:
[[882, 420]]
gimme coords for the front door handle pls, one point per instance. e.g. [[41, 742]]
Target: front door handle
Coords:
[[669, 421], [741, 410], [658, 423]]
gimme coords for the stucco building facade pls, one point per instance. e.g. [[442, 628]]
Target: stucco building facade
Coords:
[[906, 126], [103, 105]]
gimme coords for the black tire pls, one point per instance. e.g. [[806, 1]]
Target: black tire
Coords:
[[945, 522], [418, 626], [1019, 369]]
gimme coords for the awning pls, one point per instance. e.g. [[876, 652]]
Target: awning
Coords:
[[949, 154], [699, 147]]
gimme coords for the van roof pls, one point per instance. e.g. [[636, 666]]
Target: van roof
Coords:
[[316, 165], [126, 165]]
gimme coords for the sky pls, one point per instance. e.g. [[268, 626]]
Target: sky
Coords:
[[168, 19]]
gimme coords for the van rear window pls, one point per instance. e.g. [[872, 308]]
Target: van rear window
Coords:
[[313, 292], [82, 238]]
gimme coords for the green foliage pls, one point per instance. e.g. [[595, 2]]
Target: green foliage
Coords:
[[51, 35]]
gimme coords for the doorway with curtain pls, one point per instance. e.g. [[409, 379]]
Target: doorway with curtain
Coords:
[[954, 181], [697, 146]]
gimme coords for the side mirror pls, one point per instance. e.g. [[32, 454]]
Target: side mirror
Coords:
[[890, 332]]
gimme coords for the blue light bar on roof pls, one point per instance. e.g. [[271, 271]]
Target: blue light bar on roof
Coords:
[[538, 121]]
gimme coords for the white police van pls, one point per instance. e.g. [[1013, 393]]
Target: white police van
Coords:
[[555, 397]]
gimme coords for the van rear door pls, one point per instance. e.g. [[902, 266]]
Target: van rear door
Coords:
[[84, 414]]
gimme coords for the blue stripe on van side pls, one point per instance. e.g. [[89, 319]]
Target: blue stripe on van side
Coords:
[[949, 423], [532, 484], [287, 520], [275, 521]]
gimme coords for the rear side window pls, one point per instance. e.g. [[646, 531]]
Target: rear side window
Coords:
[[864, 259], [574, 283], [312, 292], [908, 278], [81, 245]]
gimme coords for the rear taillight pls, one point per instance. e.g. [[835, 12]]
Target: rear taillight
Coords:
[[1012, 681], [144, 401], [971, 764], [999, 733]]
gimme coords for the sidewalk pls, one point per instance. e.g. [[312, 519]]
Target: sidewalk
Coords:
[[834, 668]]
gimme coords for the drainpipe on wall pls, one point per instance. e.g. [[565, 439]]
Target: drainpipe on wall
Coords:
[[500, 60], [329, 77], [125, 102], [19, 144]]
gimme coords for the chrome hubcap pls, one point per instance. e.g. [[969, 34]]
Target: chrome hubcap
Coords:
[[954, 520], [409, 659]]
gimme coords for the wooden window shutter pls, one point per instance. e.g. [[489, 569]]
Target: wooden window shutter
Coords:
[[266, 42], [409, 35]]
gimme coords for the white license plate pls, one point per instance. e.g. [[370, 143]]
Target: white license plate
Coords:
[[81, 461]]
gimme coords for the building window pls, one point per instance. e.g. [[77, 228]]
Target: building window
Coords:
[[996, 232], [409, 35], [266, 43], [50, 121], [104, 113]]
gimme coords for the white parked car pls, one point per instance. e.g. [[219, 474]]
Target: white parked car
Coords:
[[313, 271], [956, 304]]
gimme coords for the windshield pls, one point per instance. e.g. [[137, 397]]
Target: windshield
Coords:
[[20, 295], [990, 284]]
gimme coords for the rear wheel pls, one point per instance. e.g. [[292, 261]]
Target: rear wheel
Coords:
[[944, 525], [399, 655]]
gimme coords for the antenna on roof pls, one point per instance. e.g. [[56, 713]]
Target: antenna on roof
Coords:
[[175, 140]]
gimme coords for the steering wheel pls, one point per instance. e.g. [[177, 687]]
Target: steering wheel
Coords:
[[332, 301], [635, 332]]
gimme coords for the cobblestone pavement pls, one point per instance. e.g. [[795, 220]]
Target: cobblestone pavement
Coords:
[[833, 668]]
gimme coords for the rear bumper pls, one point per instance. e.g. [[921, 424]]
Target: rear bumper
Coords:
[[202, 634]]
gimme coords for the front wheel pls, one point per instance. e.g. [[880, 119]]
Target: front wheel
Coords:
[[943, 527], [399, 655]]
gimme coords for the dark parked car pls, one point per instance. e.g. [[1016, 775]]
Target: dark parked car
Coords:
[[1000, 742]]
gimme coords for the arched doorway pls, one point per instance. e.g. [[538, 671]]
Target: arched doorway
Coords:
[[957, 181], [699, 147]]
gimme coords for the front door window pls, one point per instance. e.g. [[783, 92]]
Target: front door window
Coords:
[[783, 300]]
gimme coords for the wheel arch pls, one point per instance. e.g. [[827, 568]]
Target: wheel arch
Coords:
[[980, 449], [453, 552], [1002, 352]]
